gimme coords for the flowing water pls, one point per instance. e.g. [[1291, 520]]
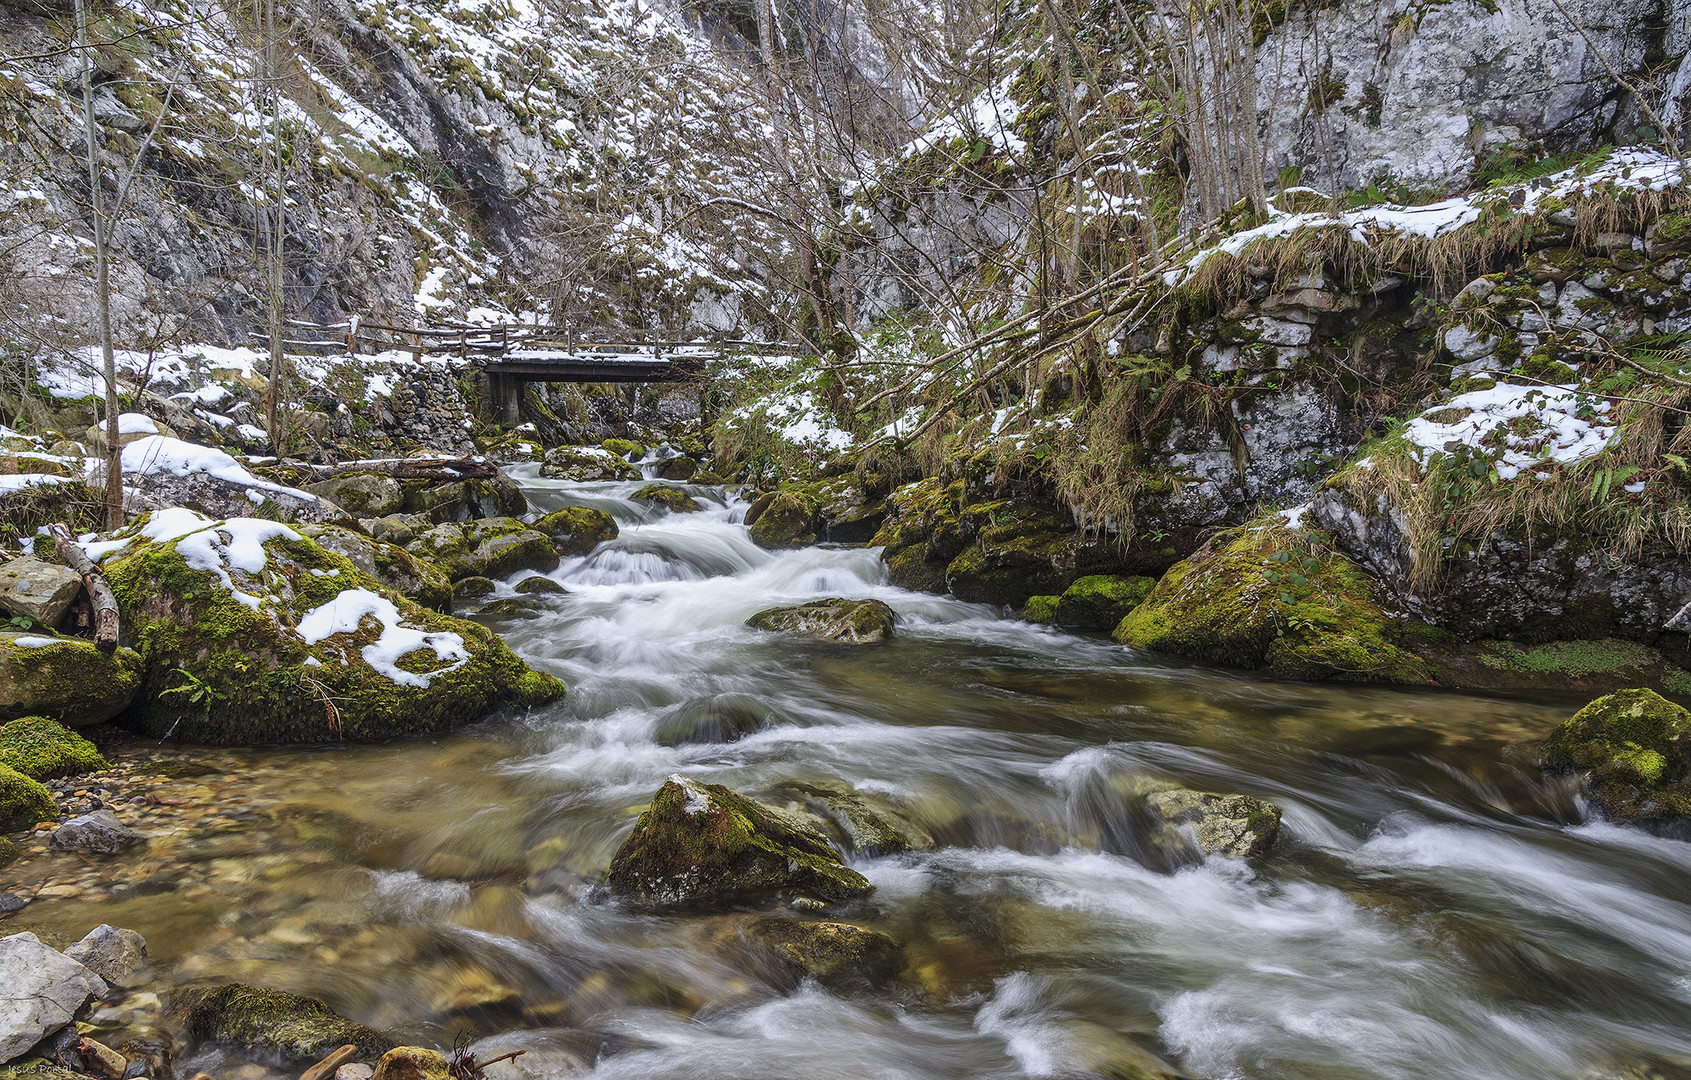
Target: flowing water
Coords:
[[1433, 908]]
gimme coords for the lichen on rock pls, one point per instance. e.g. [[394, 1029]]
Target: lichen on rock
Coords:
[[849, 622], [704, 843], [1632, 750]]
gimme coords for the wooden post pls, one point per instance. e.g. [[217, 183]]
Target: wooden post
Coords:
[[99, 590], [352, 336]]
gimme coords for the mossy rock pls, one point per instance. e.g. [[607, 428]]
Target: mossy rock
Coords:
[[9, 854], [1274, 599], [1020, 550], [849, 622], [362, 494], [831, 952], [577, 530], [413, 1063], [488, 547], [867, 824], [43, 749], [420, 579], [517, 606], [23, 801], [464, 500], [846, 513], [540, 586], [472, 587], [1040, 609], [284, 1028], [1633, 750], [69, 680], [782, 519], [627, 449], [682, 468], [704, 843], [229, 639], [1100, 601], [910, 568], [586, 464], [927, 513], [672, 499]]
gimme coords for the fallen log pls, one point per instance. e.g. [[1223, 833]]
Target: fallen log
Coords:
[[99, 590]]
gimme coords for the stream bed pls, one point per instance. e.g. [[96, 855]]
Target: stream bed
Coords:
[[1432, 908]]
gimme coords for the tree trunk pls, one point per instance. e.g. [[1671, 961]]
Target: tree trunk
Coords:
[[102, 278]]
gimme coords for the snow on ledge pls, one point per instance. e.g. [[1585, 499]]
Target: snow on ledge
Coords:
[[346, 611]]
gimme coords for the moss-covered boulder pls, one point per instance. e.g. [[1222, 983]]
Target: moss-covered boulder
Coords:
[[251, 632], [848, 622], [23, 801], [67, 679], [282, 1028], [672, 499], [472, 588], [863, 822], [540, 586], [922, 533], [1100, 601], [680, 468], [490, 548], [464, 500], [1277, 599], [577, 530], [586, 463], [43, 749], [390, 564], [704, 843], [846, 511], [627, 449], [365, 495], [1040, 609], [1020, 549], [782, 519], [830, 952], [413, 1063], [1632, 750]]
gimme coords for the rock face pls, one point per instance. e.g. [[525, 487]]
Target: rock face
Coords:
[[40, 590], [40, 992], [286, 1028], [283, 640], [703, 843], [98, 833], [848, 622], [110, 952], [1239, 825], [1632, 750], [67, 679]]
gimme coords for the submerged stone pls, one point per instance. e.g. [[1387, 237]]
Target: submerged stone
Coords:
[[1632, 750], [868, 824], [704, 843], [285, 1028], [832, 952], [850, 622], [1239, 825]]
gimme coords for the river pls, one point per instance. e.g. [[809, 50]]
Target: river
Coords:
[[1433, 909]]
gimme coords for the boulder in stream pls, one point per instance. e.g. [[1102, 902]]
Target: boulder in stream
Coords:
[[97, 833], [672, 499], [41, 991], [23, 800], [44, 749], [281, 1027], [412, 1063], [251, 632], [65, 678], [704, 843], [831, 952], [1632, 751], [849, 622], [577, 530], [586, 463], [490, 547], [110, 952], [782, 519], [1238, 825]]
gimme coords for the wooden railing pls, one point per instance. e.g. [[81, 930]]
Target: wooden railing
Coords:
[[484, 344]]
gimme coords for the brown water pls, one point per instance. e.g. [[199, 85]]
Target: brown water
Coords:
[[1433, 908]]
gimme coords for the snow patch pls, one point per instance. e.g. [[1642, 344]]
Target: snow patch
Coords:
[[349, 609]]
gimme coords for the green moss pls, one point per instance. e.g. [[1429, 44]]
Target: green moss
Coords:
[[829, 951], [1633, 748], [672, 499], [1100, 601], [70, 680], [43, 749], [1672, 227], [854, 622], [1275, 599], [1575, 659], [703, 843], [624, 448], [909, 568], [1016, 554], [1040, 609], [23, 801], [782, 519], [281, 1025], [577, 530]]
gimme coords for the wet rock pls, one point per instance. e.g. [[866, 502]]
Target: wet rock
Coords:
[[110, 952], [1240, 825], [98, 833], [672, 499], [510, 605], [704, 843], [41, 991], [782, 520], [23, 801], [362, 494], [681, 468], [1632, 751], [832, 952], [412, 1063], [577, 530], [285, 1028], [472, 587], [1100, 601], [69, 679], [850, 622], [586, 463], [40, 590], [330, 1065], [868, 824], [388, 563], [354, 1071], [1040, 609], [540, 586], [102, 1059], [720, 718], [43, 749], [10, 902]]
